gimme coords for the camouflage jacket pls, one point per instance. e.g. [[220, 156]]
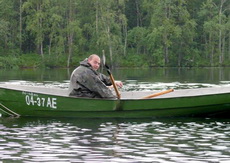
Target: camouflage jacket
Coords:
[[86, 82]]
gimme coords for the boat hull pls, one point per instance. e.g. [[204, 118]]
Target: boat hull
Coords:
[[29, 103]]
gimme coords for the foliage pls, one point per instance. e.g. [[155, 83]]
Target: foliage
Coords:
[[29, 61], [133, 61], [57, 33], [8, 62]]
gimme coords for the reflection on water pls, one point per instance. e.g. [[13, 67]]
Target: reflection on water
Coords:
[[114, 140]]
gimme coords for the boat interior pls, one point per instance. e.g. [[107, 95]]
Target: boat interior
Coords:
[[124, 95]]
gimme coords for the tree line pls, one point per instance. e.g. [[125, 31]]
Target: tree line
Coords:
[[130, 32]]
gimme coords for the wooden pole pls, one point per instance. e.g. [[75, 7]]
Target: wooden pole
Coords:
[[115, 86], [158, 94]]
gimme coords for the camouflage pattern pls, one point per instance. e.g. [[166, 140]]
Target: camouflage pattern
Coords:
[[86, 82]]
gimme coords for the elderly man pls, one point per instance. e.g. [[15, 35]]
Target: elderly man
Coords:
[[85, 81]]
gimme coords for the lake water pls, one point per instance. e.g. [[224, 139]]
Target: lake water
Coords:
[[169, 140]]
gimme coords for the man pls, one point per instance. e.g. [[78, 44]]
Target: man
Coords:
[[85, 81]]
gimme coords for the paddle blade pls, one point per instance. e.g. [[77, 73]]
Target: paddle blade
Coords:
[[104, 63], [103, 59]]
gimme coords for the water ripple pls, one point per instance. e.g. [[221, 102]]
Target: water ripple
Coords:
[[44, 140]]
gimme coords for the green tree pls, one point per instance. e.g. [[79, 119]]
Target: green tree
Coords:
[[133, 12], [224, 6], [208, 14], [137, 41], [110, 22], [162, 29], [183, 42], [73, 29], [55, 19], [8, 26], [166, 32], [215, 21], [228, 42], [36, 21]]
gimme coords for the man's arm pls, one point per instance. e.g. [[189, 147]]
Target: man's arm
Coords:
[[94, 84], [105, 79]]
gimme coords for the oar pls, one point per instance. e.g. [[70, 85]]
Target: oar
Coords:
[[158, 94], [111, 78]]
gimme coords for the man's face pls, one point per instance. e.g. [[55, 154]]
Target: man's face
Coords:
[[95, 62]]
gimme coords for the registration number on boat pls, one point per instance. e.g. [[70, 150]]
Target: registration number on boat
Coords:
[[34, 100]]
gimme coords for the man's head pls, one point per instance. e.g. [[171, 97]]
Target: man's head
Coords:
[[95, 61]]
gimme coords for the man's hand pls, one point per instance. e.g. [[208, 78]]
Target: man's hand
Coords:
[[119, 84]]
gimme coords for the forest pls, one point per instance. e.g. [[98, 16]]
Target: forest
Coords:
[[131, 33]]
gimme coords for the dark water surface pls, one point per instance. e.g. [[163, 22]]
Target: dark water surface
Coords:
[[133, 79], [182, 140]]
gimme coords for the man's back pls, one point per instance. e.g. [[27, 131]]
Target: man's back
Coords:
[[86, 82]]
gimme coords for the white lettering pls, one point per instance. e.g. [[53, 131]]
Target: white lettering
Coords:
[[27, 100], [32, 100], [48, 103], [38, 101], [43, 102], [35, 100], [54, 102]]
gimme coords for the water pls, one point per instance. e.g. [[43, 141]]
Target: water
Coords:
[[114, 140], [118, 140], [133, 79]]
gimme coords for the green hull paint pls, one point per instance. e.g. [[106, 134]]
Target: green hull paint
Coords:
[[31, 103]]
